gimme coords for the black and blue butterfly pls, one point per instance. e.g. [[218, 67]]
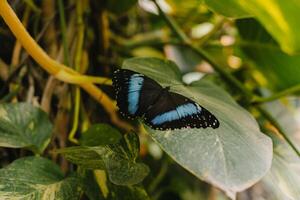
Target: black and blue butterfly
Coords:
[[140, 96]]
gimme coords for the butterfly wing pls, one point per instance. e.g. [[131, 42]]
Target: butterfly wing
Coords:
[[135, 92], [174, 111]]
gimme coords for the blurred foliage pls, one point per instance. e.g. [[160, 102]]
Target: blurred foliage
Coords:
[[253, 42], [267, 55]]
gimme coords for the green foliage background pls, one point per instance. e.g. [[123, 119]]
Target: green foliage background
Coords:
[[237, 58]]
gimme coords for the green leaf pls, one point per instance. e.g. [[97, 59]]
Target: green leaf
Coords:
[[100, 134], [119, 160], [230, 8], [125, 172], [121, 166], [86, 157], [232, 157], [280, 18], [129, 146], [90, 186], [286, 113], [280, 69], [115, 192], [129, 193], [283, 180], [37, 178], [183, 9], [22, 125]]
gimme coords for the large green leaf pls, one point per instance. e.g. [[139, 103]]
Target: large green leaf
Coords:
[[22, 125], [100, 134], [280, 18], [86, 157], [129, 193], [286, 112], [231, 157], [114, 192], [37, 178], [119, 160], [280, 69], [283, 180], [230, 8]]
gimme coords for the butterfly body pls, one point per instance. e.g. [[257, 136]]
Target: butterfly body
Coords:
[[140, 96]]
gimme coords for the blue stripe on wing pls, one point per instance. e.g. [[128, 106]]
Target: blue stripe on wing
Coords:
[[180, 112], [134, 89]]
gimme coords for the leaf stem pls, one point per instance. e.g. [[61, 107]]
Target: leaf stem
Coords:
[[159, 177], [53, 67], [224, 73], [278, 95], [63, 31], [77, 61], [173, 25]]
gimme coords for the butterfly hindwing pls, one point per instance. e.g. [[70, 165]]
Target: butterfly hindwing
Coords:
[[174, 111], [135, 92]]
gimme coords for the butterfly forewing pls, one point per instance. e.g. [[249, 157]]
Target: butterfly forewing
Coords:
[[135, 92]]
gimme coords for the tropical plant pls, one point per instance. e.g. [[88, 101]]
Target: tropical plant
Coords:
[[62, 137]]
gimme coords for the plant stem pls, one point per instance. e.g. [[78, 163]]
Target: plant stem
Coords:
[[159, 177], [277, 95], [11, 94], [77, 61], [63, 31], [53, 67], [224, 73], [57, 69], [269, 117], [173, 25]]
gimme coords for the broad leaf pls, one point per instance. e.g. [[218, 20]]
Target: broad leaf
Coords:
[[86, 157], [100, 134], [114, 192], [90, 186], [286, 112], [280, 69], [230, 8], [283, 179], [129, 193], [124, 172], [22, 125], [280, 18], [121, 165], [232, 157], [37, 178], [129, 146], [119, 160]]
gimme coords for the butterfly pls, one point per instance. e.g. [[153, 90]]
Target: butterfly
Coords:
[[140, 96]]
